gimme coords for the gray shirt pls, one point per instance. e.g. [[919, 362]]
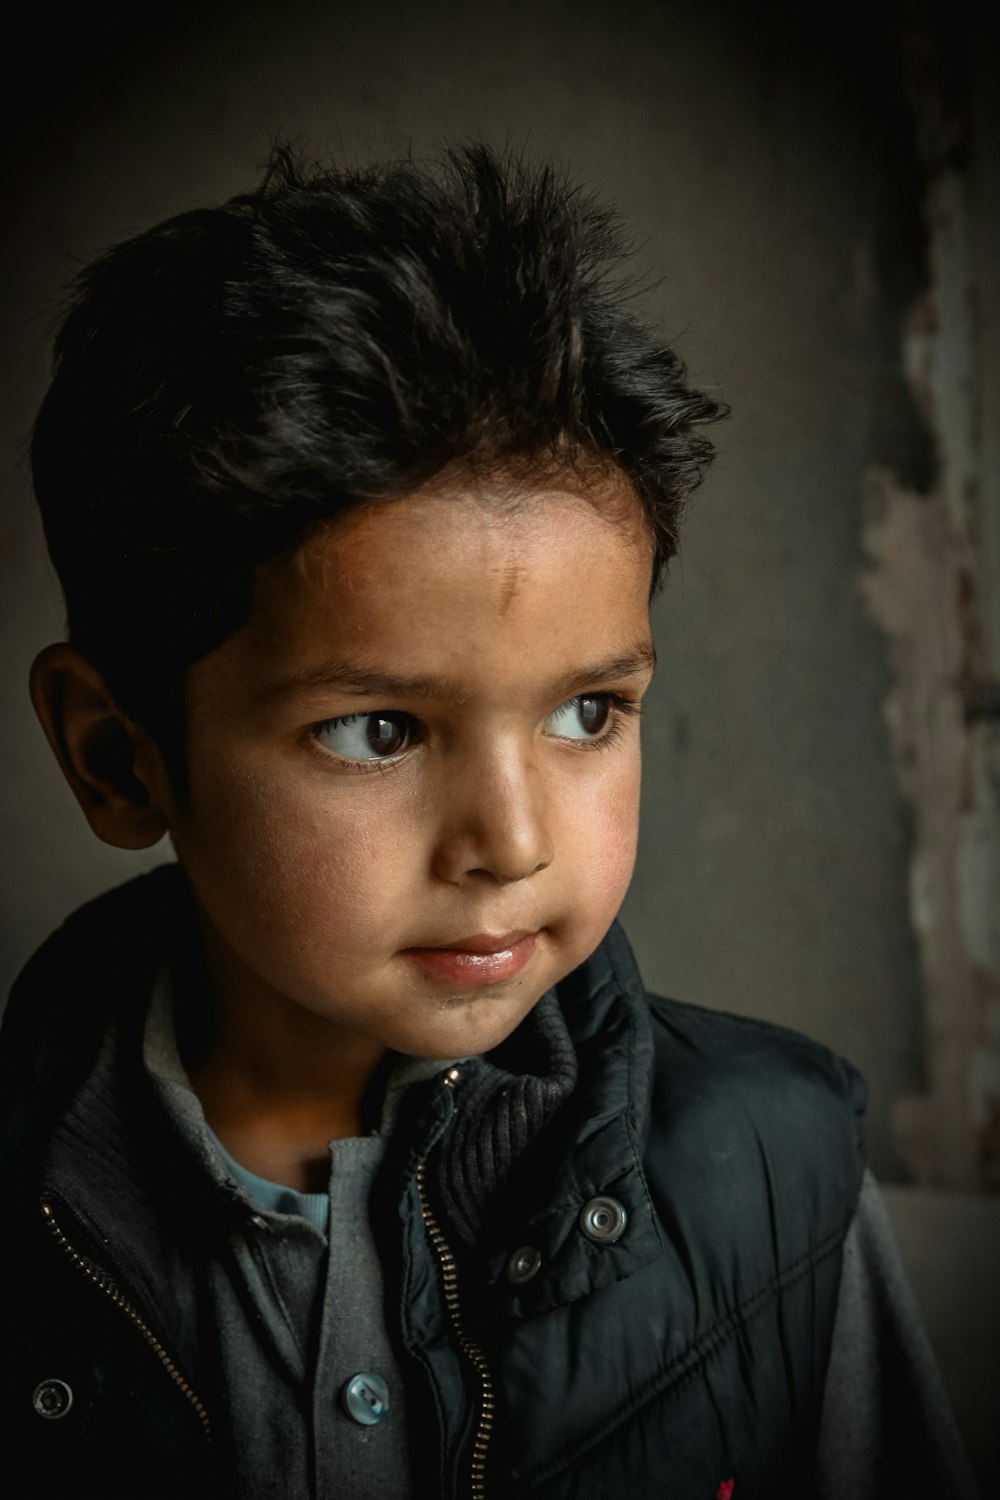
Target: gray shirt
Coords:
[[883, 1391], [294, 1303]]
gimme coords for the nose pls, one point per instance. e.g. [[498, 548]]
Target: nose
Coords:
[[497, 825]]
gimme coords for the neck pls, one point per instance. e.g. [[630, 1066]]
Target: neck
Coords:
[[276, 1081]]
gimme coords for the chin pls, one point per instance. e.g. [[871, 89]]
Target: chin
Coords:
[[470, 1024]]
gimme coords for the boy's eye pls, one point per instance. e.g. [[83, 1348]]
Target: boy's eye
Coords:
[[367, 736], [580, 718]]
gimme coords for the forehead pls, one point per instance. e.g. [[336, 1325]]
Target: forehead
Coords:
[[455, 576]]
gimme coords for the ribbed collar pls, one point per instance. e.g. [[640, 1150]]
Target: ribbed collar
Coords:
[[506, 1099]]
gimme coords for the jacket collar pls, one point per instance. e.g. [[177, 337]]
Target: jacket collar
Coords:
[[591, 1149], [81, 1133]]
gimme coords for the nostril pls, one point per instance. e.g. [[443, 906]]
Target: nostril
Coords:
[[498, 857]]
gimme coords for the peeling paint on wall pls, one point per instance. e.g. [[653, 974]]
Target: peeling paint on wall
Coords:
[[927, 584], [949, 773]]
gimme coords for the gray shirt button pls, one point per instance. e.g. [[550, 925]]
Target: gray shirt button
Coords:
[[365, 1399], [52, 1398]]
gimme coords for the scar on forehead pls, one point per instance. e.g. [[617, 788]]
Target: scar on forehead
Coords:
[[509, 580]]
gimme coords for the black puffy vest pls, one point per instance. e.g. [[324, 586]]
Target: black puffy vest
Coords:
[[688, 1350]]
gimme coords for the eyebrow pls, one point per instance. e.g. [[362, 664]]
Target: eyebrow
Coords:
[[348, 677]]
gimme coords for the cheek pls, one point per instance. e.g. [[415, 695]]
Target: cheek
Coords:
[[619, 848], [606, 826], [266, 864]]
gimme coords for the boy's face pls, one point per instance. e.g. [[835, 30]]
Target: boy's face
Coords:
[[414, 772]]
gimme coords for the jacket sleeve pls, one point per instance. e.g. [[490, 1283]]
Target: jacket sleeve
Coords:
[[886, 1426]]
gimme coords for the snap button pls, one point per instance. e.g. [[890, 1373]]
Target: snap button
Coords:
[[603, 1220], [366, 1399], [52, 1399], [523, 1264]]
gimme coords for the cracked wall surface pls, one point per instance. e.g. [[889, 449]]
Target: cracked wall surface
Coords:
[[931, 584]]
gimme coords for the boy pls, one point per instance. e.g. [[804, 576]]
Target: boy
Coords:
[[371, 1169]]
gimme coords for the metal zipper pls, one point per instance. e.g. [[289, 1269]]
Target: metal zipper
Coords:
[[471, 1350], [107, 1286]]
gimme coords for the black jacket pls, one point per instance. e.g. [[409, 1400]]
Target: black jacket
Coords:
[[628, 1290]]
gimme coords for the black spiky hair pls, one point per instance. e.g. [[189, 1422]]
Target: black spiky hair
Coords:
[[234, 376]]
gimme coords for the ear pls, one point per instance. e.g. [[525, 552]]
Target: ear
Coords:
[[113, 767]]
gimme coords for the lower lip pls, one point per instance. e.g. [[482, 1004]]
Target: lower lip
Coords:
[[456, 967]]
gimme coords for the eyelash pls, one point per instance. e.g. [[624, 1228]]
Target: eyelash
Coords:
[[621, 709]]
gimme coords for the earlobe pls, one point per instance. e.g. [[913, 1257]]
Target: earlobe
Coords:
[[114, 769]]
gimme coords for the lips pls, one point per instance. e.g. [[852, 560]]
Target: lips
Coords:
[[482, 958]]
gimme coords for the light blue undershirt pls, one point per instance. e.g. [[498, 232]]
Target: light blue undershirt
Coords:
[[274, 1196]]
